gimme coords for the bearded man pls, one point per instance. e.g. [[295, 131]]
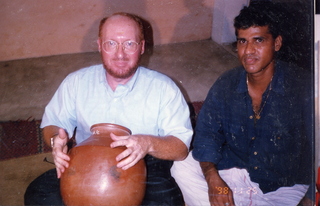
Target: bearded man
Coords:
[[119, 91]]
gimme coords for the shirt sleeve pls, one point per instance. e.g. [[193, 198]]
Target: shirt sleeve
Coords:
[[174, 117], [209, 137], [60, 111]]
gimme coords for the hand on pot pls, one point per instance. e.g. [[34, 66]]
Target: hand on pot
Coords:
[[137, 148], [59, 151]]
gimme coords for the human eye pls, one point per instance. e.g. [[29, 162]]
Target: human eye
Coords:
[[259, 40], [129, 44], [241, 41], [111, 43]]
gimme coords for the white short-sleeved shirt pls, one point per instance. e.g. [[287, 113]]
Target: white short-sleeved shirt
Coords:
[[150, 103]]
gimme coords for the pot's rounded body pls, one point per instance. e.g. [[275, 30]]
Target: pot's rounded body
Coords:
[[93, 178]]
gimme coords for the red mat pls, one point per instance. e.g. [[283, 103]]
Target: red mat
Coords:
[[21, 138]]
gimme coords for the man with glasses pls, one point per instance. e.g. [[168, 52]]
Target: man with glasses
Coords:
[[120, 92]]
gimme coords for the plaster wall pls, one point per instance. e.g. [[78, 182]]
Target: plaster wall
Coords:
[[223, 14], [37, 28]]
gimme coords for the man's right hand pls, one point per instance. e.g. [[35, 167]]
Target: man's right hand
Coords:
[[59, 152], [219, 192]]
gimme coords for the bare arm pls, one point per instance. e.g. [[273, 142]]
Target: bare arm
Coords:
[[138, 146], [59, 147], [50, 132], [219, 192]]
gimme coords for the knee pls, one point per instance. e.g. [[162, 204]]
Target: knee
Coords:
[[44, 190]]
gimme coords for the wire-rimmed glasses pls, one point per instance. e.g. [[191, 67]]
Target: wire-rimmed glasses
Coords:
[[128, 47]]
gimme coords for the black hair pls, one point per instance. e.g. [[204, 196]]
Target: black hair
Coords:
[[260, 13], [290, 20]]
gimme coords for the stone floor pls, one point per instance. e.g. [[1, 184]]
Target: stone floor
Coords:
[[28, 84]]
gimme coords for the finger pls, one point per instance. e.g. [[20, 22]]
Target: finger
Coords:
[[62, 133], [61, 159], [60, 169], [58, 173], [57, 153], [219, 199], [118, 143], [116, 137], [128, 162], [230, 196], [60, 163], [131, 164], [113, 136], [65, 149], [124, 154]]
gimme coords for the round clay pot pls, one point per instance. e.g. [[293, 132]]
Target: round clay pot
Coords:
[[93, 178]]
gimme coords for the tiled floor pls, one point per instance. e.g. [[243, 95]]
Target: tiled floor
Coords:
[[28, 84]]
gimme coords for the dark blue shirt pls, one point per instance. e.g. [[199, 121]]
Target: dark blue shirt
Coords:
[[277, 149]]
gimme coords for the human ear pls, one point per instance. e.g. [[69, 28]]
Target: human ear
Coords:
[[278, 43], [142, 46], [99, 44]]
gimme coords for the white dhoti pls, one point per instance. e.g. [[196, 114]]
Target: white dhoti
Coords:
[[189, 177]]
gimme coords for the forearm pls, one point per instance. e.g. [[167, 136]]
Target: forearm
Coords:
[[212, 176], [167, 148], [49, 132], [209, 170], [218, 191]]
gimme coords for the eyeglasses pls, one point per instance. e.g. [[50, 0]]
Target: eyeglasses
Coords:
[[128, 47]]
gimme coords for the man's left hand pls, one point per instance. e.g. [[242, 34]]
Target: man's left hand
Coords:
[[137, 148]]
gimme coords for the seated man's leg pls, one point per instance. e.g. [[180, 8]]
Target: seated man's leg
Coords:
[[161, 187], [44, 190], [289, 195], [246, 192], [189, 176]]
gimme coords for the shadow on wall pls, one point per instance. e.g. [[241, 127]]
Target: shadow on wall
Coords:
[[110, 7], [198, 12], [297, 32]]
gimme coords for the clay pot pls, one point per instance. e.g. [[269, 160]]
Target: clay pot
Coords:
[[93, 177]]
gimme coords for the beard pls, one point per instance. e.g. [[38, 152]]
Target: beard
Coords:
[[121, 73]]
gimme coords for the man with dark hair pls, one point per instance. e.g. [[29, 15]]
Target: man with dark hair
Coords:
[[119, 91], [253, 136]]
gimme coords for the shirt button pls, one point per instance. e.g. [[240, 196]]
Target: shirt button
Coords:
[[251, 117], [253, 138], [255, 168], [255, 153]]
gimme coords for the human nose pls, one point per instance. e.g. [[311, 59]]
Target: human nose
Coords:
[[249, 48], [120, 50]]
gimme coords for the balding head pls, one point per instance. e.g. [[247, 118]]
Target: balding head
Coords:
[[132, 17]]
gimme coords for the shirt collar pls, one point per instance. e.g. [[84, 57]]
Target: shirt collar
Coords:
[[124, 88], [277, 80], [130, 84], [242, 86]]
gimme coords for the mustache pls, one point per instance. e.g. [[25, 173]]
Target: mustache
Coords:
[[250, 56], [120, 59]]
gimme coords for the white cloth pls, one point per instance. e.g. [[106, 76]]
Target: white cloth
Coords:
[[150, 103], [189, 177]]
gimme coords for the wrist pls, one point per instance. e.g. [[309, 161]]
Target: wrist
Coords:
[[52, 140], [209, 170]]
